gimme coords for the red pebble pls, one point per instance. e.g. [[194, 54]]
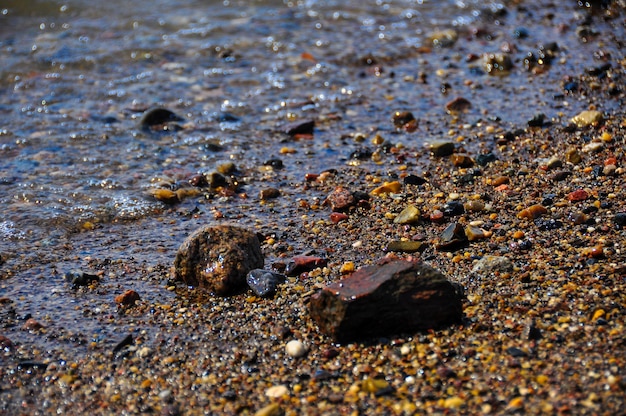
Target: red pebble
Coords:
[[578, 195], [336, 217]]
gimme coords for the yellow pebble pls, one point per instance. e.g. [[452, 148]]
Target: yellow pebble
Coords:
[[347, 267], [453, 402], [516, 403], [518, 235], [269, 410], [598, 314], [542, 379]]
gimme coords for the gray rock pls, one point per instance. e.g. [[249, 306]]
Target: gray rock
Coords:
[[264, 282], [491, 264]]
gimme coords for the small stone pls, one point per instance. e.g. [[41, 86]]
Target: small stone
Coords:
[[32, 325], [537, 120], [497, 63], [414, 180], [341, 199], [269, 193], [295, 348], [458, 105], [578, 195], [264, 282], [462, 161], [79, 278], [409, 215], [406, 246], [561, 175], [401, 118], [396, 296], [387, 188], [305, 127], [165, 195], [269, 410], [587, 118], [500, 180], [475, 206], [554, 163], [5, 343], [475, 233], [573, 156], [304, 263], [452, 238], [441, 149], [619, 220], [492, 264], [532, 212], [127, 298], [218, 258], [276, 392], [158, 119], [593, 147], [337, 217]]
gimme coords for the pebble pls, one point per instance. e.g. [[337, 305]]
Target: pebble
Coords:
[[462, 161], [304, 263], [587, 118], [406, 246], [264, 282], [158, 119], [387, 188], [533, 212], [492, 264], [295, 348], [276, 392], [128, 298], [458, 105], [441, 149], [409, 215], [78, 278], [269, 193]]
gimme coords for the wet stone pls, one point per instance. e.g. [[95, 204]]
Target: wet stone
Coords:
[[78, 278], [414, 180], [128, 298], [587, 118], [385, 299], [485, 158], [458, 105], [401, 118], [218, 258], [269, 193], [159, 119], [453, 208], [305, 127], [264, 282], [409, 215], [452, 238], [304, 263], [462, 161], [441, 149]]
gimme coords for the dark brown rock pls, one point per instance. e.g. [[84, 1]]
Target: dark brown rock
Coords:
[[396, 297], [218, 258], [301, 127], [452, 238]]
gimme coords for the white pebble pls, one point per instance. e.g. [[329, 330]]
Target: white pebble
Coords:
[[295, 348], [276, 392]]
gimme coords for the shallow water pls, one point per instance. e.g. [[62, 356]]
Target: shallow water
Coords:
[[76, 169]]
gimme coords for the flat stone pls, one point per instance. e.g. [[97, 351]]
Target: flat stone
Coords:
[[218, 258], [397, 296], [492, 264], [409, 215], [440, 149]]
